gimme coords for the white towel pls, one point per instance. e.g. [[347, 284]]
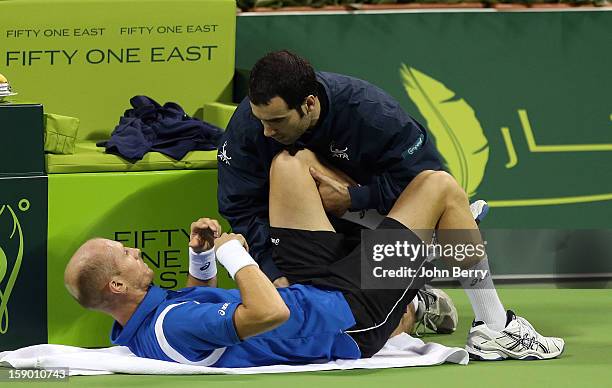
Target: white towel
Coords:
[[400, 351]]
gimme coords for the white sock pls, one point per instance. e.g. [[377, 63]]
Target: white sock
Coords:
[[483, 297]]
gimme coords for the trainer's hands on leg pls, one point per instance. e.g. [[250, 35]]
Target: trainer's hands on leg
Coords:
[[203, 233], [334, 194]]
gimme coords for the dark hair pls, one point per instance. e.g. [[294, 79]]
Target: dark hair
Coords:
[[282, 74]]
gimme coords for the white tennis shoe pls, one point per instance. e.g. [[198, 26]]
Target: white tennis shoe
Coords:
[[436, 312], [479, 210], [518, 340]]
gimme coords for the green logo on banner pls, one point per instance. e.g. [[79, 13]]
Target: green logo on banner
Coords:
[[452, 121], [16, 233], [462, 142]]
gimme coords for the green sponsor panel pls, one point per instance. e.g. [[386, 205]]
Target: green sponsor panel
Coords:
[[21, 139], [517, 102], [88, 58], [23, 261], [151, 211]]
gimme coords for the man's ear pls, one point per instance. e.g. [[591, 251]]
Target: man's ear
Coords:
[[117, 286], [310, 102]]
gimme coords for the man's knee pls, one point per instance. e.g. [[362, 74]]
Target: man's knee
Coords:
[[286, 164], [441, 185], [306, 156]]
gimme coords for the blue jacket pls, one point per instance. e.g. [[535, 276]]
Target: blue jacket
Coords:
[[365, 133], [149, 126]]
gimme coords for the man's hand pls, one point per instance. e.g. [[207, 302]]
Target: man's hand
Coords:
[[225, 237], [203, 233], [334, 194], [281, 282]]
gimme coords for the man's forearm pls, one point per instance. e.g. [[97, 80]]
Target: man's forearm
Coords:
[[194, 282], [262, 307]]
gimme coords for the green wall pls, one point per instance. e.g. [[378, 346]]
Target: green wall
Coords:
[[518, 104], [475, 73], [151, 211]]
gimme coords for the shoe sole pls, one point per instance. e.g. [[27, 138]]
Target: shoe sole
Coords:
[[448, 324], [494, 355]]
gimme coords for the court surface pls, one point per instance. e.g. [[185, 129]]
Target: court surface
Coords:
[[583, 317]]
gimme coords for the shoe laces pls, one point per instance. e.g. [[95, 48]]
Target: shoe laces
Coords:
[[431, 310], [527, 333]]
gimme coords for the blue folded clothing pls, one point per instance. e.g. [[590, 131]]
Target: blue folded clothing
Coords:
[[149, 126]]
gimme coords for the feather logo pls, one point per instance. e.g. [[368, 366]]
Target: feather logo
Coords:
[[452, 121], [12, 278]]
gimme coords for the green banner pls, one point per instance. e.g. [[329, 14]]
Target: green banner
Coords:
[[23, 261], [88, 58], [517, 102], [151, 211]]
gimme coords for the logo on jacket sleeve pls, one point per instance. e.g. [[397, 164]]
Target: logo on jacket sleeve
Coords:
[[415, 147], [337, 152], [222, 155]]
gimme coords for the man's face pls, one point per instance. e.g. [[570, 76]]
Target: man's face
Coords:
[[132, 269], [281, 123]]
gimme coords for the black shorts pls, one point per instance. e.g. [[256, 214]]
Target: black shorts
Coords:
[[331, 260]]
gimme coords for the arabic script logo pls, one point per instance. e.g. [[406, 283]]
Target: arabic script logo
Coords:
[[16, 234]]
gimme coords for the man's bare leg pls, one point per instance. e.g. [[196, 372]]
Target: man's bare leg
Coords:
[[308, 157], [407, 323], [294, 199], [295, 202], [435, 200]]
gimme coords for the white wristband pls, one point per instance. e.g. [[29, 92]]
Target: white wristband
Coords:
[[202, 266], [234, 257]]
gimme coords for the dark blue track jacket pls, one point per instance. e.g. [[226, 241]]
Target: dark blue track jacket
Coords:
[[365, 133], [149, 126]]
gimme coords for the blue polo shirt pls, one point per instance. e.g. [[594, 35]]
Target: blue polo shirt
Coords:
[[195, 326]]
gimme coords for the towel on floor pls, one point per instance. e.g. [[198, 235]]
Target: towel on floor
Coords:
[[400, 351]]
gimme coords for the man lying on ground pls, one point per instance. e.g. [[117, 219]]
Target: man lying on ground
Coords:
[[325, 316]]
